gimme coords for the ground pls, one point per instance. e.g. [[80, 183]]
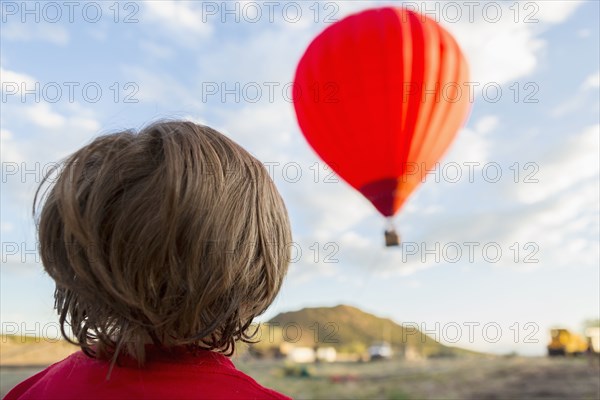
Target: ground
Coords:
[[481, 378]]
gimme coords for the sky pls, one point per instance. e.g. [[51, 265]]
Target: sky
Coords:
[[499, 245]]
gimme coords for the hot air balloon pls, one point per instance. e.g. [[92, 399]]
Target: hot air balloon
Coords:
[[380, 95]]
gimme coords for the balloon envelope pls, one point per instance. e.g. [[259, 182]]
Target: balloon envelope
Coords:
[[380, 96]]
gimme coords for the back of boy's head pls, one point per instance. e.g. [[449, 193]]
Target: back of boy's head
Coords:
[[174, 236]]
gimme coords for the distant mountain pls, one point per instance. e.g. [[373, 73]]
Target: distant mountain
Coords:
[[349, 330]]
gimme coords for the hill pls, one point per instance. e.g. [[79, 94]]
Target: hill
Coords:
[[349, 330]]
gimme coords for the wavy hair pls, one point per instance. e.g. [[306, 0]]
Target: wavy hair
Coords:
[[173, 236]]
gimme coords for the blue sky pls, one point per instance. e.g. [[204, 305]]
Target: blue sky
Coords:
[[198, 61]]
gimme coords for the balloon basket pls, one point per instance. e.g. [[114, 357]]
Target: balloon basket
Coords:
[[392, 238]]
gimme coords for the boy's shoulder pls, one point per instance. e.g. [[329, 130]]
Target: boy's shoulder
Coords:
[[207, 375]]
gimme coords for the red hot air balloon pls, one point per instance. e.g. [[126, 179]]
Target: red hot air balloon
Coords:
[[380, 96]]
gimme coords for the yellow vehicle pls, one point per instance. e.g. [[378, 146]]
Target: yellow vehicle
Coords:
[[565, 343]]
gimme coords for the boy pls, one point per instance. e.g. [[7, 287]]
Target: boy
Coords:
[[164, 245]]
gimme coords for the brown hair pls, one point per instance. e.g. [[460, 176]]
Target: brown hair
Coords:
[[174, 235]]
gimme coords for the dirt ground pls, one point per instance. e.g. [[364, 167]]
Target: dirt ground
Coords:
[[477, 379]]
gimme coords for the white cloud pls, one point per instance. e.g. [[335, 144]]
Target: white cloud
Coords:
[[575, 161], [578, 100], [486, 124], [42, 115], [182, 21], [592, 81], [84, 123], [45, 32], [9, 150], [473, 145], [498, 52], [551, 11], [16, 78]]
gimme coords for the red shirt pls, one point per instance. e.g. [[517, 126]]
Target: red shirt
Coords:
[[206, 375]]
